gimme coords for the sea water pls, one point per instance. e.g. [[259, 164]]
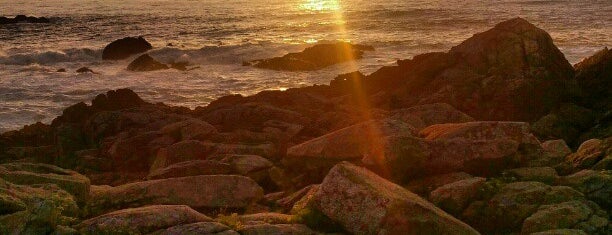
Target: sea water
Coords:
[[218, 35]]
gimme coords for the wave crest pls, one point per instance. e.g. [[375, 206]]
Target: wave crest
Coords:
[[51, 57]]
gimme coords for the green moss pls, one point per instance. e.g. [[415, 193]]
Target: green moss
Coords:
[[232, 221]]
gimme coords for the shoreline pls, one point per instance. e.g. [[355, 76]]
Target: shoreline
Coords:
[[440, 143]]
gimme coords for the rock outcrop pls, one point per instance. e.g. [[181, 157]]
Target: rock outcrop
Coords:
[[510, 72], [125, 47], [364, 203], [314, 58], [331, 159]]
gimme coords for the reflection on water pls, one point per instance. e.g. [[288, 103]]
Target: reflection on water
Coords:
[[218, 35]]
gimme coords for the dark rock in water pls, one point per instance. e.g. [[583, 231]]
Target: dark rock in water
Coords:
[[23, 19], [145, 63], [85, 70], [123, 48], [61, 70], [313, 58], [511, 72]]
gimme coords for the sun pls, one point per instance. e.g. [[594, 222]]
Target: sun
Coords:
[[321, 5]]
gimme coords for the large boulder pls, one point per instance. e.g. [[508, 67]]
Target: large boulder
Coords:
[[34, 173], [142, 220], [123, 48], [361, 142], [510, 72], [364, 203], [145, 63], [204, 192], [314, 58]]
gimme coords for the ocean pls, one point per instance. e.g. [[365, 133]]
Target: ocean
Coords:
[[219, 35]]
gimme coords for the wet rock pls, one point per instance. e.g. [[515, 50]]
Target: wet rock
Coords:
[[314, 58], [116, 100], [456, 196], [422, 116], [191, 168], [546, 175], [365, 203], [583, 215], [24, 19], [212, 228], [202, 192], [145, 63], [123, 48], [33, 173], [141, 220]]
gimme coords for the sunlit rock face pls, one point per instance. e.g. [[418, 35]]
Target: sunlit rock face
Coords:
[[510, 72], [364, 203]]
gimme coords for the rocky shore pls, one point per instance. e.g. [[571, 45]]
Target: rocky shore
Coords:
[[499, 135]]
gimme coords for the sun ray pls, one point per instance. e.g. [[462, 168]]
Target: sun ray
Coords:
[[360, 97]]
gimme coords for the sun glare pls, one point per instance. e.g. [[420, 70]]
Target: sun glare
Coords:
[[321, 5]]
